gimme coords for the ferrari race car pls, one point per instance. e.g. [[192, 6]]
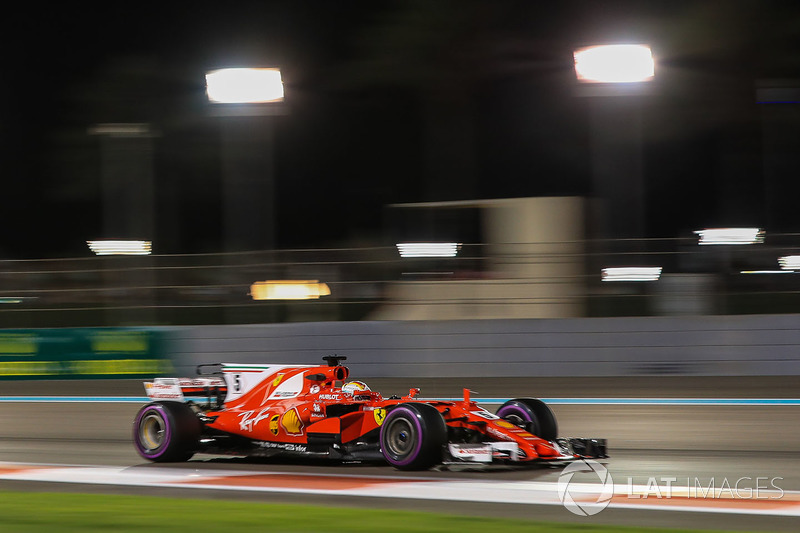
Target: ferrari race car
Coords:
[[265, 410]]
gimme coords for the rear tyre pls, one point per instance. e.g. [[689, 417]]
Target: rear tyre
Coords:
[[166, 432], [532, 415], [413, 436]]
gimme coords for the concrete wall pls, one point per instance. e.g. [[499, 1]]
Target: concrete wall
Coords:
[[767, 345], [536, 255]]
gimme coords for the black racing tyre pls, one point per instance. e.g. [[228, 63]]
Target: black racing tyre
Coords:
[[531, 414], [166, 432], [413, 436]]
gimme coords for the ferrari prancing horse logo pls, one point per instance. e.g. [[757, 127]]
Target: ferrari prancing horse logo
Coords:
[[379, 415]]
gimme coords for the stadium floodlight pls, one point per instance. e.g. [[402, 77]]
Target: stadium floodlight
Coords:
[[244, 85], [428, 249], [289, 290], [730, 236], [631, 273], [120, 247], [616, 63]]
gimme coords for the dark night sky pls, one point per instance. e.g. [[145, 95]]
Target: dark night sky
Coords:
[[389, 102]]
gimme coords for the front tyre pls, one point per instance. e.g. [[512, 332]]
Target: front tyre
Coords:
[[531, 414], [413, 436], [166, 432]]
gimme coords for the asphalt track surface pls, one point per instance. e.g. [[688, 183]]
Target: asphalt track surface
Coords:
[[647, 442]]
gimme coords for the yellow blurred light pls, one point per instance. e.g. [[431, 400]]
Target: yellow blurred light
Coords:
[[731, 236], [122, 129], [617, 63], [428, 249], [119, 247], [631, 274], [244, 85], [767, 272], [288, 290]]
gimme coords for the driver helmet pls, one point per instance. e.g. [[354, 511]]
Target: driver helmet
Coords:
[[353, 387]]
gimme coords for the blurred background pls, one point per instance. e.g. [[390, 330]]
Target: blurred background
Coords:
[[458, 125], [440, 190]]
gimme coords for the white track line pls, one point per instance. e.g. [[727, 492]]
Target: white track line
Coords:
[[787, 503]]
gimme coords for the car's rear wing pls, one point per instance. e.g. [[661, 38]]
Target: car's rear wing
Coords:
[[223, 382], [183, 389]]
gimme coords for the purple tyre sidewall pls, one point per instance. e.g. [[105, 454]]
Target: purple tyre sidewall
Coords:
[[414, 419], [162, 412], [516, 409]]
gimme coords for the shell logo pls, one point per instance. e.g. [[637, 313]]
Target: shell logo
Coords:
[[291, 422], [273, 424]]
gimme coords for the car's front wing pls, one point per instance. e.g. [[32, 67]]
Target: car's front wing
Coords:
[[570, 448]]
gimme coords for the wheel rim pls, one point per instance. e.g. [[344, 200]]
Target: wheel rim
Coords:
[[514, 414], [515, 419], [152, 431], [401, 437]]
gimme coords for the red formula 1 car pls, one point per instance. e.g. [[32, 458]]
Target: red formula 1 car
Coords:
[[265, 410]]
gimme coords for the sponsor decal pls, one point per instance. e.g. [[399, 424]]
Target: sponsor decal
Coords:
[[497, 434], [273, 424], [504, 424], [330, 397], [485, 414], [379, 415], [249, 419], [314, 389], [291, 422], [471, 452], [164, 389], [287, 388], [288, 447], [316, 410]]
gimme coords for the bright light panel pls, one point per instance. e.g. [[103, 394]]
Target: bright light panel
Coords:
[[110, 247], [731, 236], [618, 63], [631, 274], [288, 290], [244, 85], [789, 262], [428, 249]]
